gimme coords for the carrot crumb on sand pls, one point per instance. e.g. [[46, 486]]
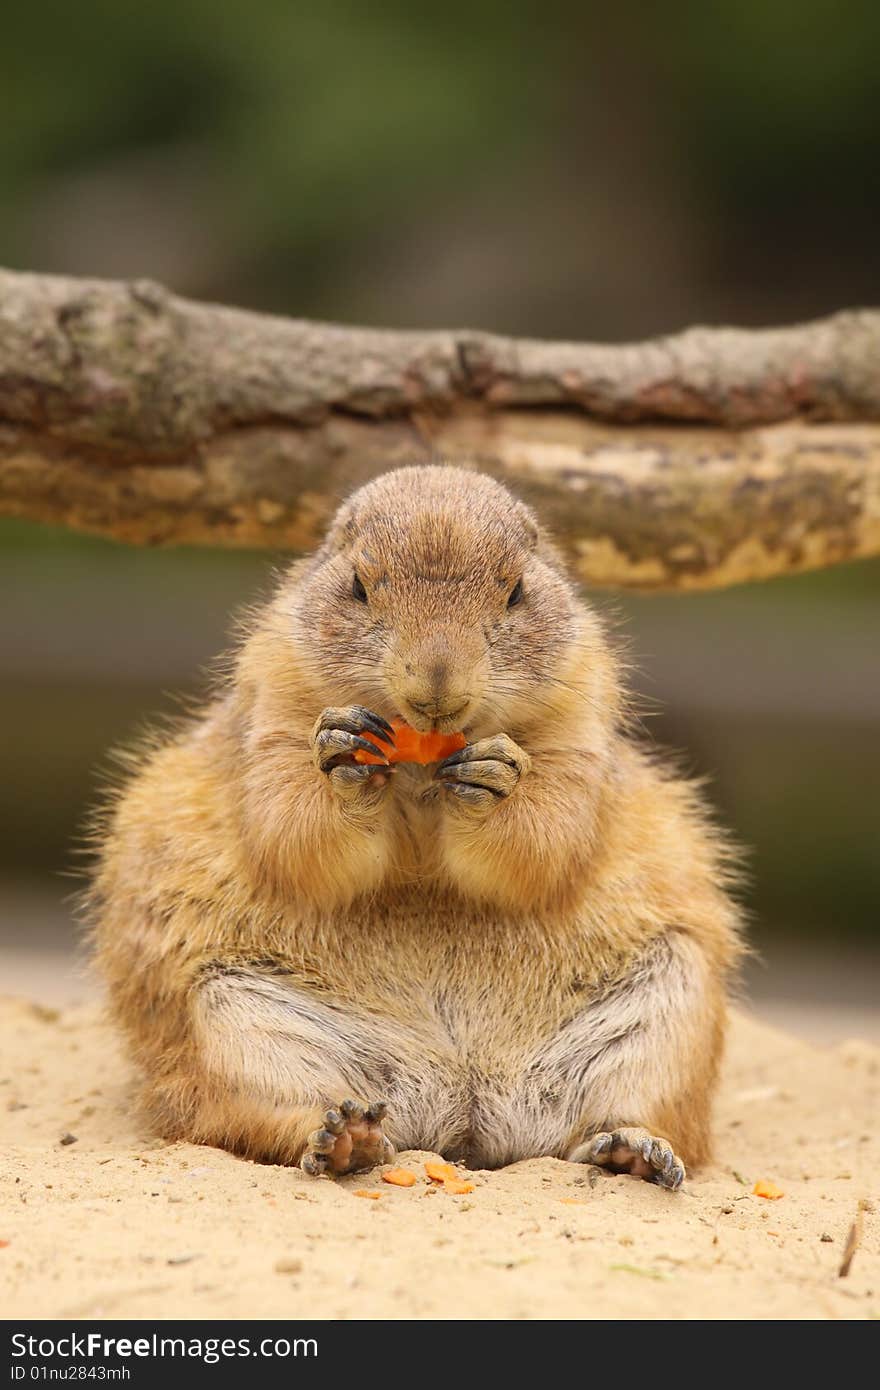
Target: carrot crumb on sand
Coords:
[[364, 1192], [440, 1171], [764, 1188], [457, 1187], [399, 1177]]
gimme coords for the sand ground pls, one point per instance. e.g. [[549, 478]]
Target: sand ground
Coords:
[[117, 1224]]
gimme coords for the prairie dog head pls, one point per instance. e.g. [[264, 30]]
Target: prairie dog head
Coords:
[[436, 599]]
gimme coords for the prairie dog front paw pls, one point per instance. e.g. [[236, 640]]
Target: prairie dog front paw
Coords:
[[480, 775], [337, 735]]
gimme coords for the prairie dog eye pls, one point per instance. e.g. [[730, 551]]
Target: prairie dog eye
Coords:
[[516, 594], [357, 589]]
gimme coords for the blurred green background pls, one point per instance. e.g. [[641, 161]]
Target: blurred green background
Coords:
[[599, 172]]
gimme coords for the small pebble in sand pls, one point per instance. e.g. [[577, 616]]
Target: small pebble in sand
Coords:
[[828, 1240], [288, 1266], [44, 1014], [67, 1139]]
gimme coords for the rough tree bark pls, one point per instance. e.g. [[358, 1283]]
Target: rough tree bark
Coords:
[[704, 459]]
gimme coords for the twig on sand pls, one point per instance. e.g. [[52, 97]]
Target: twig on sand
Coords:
[[644, 1273], [852, 1241]]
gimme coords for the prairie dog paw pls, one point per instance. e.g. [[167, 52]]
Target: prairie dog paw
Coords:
[[338, 734], [633, 1151], [483, 773], [351, 1140]]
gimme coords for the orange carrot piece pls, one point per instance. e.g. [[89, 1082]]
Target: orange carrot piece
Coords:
[[457, 1187], [411, 747], [365, 1192], [399, 1177], [764, 1188], [440, 1171]]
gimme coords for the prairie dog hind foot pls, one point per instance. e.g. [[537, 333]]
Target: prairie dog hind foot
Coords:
[[633, 1151], [350, 1141]]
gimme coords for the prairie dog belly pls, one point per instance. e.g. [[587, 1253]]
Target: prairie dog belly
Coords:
[[469, 977]]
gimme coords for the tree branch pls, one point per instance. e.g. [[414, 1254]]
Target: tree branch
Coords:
[[707, 458]]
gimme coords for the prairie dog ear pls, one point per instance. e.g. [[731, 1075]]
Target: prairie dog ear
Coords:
[[529, 522], [342, 529]]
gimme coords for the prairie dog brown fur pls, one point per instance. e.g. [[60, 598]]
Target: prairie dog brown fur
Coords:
[[522, 951]]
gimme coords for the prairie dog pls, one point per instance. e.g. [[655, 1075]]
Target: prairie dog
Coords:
[[521, 951]]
